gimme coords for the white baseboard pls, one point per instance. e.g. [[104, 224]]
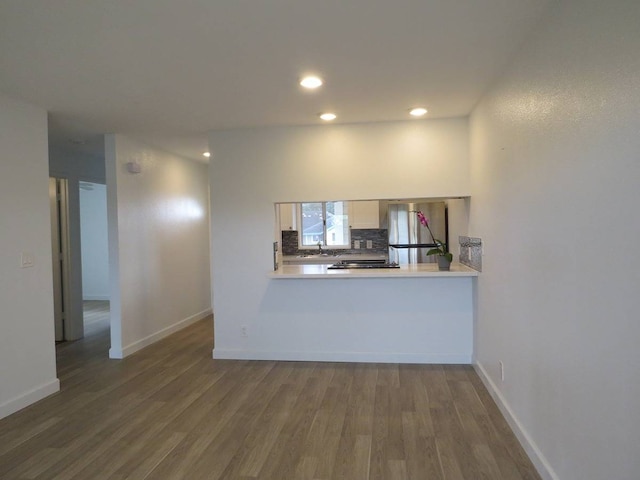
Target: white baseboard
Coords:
[[532, 450], [96, 297], [26, 399], [353, 357], [159, 335]]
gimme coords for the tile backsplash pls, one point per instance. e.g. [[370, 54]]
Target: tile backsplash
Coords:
[[289, 242], [378, 237], [471, 252]]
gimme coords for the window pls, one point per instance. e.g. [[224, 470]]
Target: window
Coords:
[[326, 223]]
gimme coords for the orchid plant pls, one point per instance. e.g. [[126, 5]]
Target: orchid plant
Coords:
[[441, 248]]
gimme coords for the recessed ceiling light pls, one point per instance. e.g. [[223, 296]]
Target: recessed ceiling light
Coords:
[[327, 117], [418, 111], [311, 82], [206, 154]]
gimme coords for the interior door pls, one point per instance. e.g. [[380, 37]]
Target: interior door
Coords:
[[58, 207]]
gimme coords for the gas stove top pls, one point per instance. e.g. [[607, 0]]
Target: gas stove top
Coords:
[[362, 264]]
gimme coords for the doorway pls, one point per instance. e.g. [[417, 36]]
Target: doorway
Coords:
[[95, 257], [80, 257]]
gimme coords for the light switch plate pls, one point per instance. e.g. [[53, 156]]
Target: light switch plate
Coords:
[[26, 260], [369, 243]]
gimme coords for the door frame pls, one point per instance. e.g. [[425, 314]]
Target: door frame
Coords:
[[67, 324]]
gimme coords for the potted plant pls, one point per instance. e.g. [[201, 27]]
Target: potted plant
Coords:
[[443, 256]]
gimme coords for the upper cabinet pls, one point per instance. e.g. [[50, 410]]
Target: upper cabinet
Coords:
[[364, 214], [287, 216], [361, 213]]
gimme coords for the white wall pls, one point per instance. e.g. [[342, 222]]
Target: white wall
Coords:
[[27, 344], [158, 243], [253, 168], [95, 245], [555, 172], [72, 164]]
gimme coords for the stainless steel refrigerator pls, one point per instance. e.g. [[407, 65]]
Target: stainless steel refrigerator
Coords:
[[409, 240]]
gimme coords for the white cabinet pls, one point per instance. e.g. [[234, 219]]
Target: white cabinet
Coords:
[[364, 214], [287, 216]]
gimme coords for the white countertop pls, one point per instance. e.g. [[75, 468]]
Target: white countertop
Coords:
[[313, 258], [413, 270]]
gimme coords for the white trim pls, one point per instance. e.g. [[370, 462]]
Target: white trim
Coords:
[[159, 335], [96, 297], [364, 357], [532, 450], [32, 396]]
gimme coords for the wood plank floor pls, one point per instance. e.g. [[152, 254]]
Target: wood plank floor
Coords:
[[171, 412], [95, 316]]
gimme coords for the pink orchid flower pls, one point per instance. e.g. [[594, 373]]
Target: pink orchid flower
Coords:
[[423, 220]]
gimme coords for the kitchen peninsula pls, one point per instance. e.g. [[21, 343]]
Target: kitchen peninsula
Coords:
[[337, 295], [407, 315], [322, 271]]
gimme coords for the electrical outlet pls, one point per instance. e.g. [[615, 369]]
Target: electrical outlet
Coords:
[[244, 331], [501, 371], [369, 243], [356, 244]]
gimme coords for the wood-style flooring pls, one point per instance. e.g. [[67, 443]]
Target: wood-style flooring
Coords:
[[171, 412], [95, 316]]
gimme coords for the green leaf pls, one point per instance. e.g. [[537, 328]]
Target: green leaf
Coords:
[[441, 245], [449, 257], [434, 251]]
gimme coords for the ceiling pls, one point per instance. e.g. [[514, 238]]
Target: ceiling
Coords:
[[168, 71]]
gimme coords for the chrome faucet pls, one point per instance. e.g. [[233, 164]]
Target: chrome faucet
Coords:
[[320, 247]]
